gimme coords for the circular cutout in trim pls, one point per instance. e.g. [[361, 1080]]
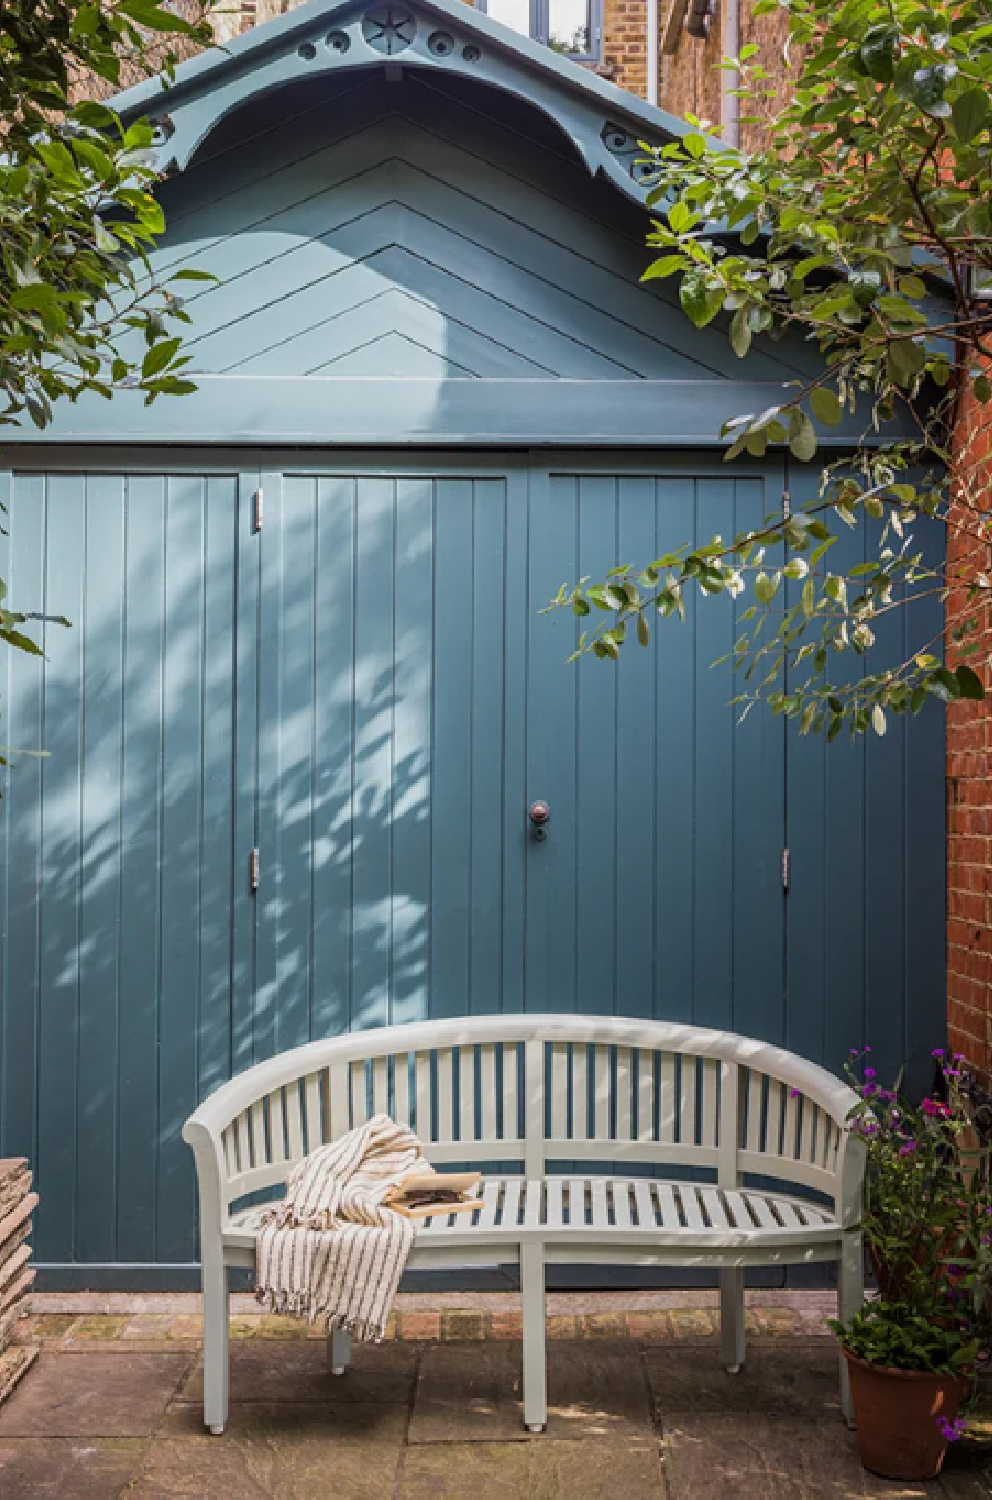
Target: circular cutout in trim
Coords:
[[441, 43], [471, 53], [338, 41], [389, 29], [307, 51]]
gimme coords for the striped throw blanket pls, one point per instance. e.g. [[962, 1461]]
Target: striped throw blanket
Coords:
[[331, 1248]]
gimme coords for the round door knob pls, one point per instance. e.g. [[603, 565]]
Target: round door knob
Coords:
[[539, 813]]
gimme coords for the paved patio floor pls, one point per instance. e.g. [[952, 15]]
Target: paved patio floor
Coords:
[[639, 1407]]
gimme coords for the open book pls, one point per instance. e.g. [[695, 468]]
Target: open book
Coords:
[[420, 1196]]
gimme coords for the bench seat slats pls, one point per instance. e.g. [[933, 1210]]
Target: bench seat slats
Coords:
[[539, 1208]]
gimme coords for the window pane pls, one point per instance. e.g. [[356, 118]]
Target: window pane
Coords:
[[570, 28], [515, 13]]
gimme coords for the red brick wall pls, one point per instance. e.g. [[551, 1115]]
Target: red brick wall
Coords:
[[969, 766]]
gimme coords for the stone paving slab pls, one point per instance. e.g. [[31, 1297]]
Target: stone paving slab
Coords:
[[777, 1380], [473, 1394], [544, 1470], [378, 1373], [70, 1395], [744, 1457], [276, 1452], [67, 1468]]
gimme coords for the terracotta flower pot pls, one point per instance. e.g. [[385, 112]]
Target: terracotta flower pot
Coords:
[[896, 1413]]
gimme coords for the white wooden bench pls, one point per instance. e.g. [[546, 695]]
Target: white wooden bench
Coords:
[[767, 1174]]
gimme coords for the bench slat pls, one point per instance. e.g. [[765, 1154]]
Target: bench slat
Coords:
[[490, 1203], [466, 1094], [487, 1080], [709, 1101], [294, 1122], [808, 1130], [645, 1095], [691, 1206], [357, 1093], [759, 1210], [620, 1192], [277, 1140], [445, 1094], [773, 1122], [311, 1103], [257, 1128], [576, 1201], [625, 1084], [559, 1091], [668, 1209], [511, 1094], [511, 1201], [788, 1214], [532, 1205], [600, 1207], [422, 1091], [645, 1207], [601, 1093], [380, 1086], [668, 1103], [755, 1109], [790, 1132], [401, 1088], [715, 1210], [580, 1092], [687, 1101], [738, 1209], [555, 1203]]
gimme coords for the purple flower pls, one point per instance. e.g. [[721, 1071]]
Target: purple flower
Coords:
[[869, 1090], [870, 1073], [794, 1093], [908, 1149], [951, 1431], [934, 1109], [937, 1052]]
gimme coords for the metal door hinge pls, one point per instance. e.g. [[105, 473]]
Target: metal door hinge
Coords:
[[785, 869], [256, 523], [786, 504], [253, 871]]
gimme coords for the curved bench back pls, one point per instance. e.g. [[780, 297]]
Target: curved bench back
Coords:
[[538, 1090]]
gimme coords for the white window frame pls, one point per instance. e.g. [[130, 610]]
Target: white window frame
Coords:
[[540, 27]]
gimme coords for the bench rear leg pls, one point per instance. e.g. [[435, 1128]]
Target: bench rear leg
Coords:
[[732, 1339], [216, 1344], [338, 1350], [535, 1358], [850, 1299]]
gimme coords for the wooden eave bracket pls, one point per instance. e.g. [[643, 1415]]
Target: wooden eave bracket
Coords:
[[672, 29]]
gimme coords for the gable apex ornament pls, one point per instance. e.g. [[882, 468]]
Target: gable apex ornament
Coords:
[[605, 124]]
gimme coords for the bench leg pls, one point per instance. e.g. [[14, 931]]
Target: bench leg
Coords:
[[216, 1348], [850, 1299], [732, 1318], [338, 1350], [535, 1359]]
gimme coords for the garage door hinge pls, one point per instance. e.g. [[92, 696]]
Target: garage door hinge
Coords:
[[257, 512], [785, 869], [786, 504], [254, 872]]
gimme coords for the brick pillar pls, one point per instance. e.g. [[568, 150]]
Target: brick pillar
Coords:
[[969, 761], [625, 43]]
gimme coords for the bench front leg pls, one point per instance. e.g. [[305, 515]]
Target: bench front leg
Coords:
[[535, 1357], [216, 1342], [850, 1300], [732, 1338]]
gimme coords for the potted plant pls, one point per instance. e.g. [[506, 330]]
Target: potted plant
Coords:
[[927, 1226]]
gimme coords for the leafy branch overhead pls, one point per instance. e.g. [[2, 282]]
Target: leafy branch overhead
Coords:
[[864, 230], [80, 307]]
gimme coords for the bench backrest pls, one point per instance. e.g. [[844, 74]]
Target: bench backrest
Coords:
[[538, 1090]]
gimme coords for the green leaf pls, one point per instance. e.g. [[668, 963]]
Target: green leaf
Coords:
[[825, 405], [969, 113], [802, 436], [878, 719], [740, 333], [970, 684], [643, 629], [158, 356]]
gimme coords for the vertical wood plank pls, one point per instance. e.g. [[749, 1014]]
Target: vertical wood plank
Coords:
[[755, 1109], [380, 1086], [451, 850], [580, 1092], [466, 1094], [625, 1084], [709, 1104], [334, 710], [411, 769], [58, 1028], [511, 1092], [248, 562], [311, 1095], [515, 842], [276, 1124], [401, 1088], [445, 1096], [422, 1080], [357, 1093], [294, 1122], [101, 629], [486, 811]]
